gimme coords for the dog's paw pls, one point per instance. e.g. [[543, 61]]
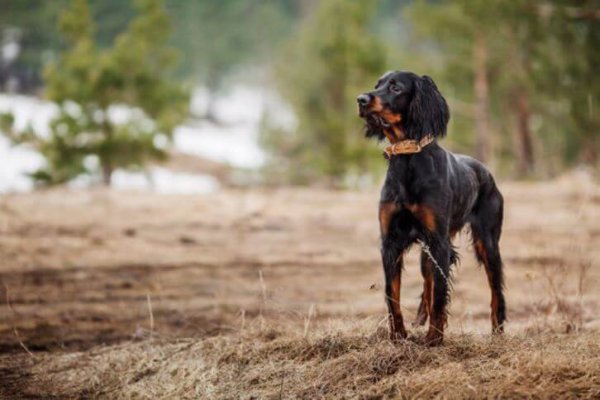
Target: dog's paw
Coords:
[[398, 336], [434, 338]]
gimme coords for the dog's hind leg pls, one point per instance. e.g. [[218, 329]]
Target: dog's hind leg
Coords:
[[486, 226]]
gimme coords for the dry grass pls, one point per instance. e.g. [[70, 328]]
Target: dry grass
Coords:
[[354, 362], [277, 294]]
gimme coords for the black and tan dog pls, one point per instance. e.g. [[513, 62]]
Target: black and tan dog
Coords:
[[428, 196]]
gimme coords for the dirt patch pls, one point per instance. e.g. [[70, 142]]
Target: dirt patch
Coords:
[[131, 295]]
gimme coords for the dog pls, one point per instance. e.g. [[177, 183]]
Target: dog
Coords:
[[428, 196]]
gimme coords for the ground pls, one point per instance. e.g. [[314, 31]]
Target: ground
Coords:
[[277, 293]]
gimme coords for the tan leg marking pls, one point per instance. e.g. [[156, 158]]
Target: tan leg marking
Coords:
[[480, 249], [396, 319], [426, 300], [424, 214], [386, 212], [426, 304], [435, 335], [396, 284]]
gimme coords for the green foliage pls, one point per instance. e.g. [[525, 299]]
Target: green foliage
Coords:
[[573, 54], [35, 25], [6, 122], [217, 37], [541, 55], [333, 58], [89, 83], [543, 52]]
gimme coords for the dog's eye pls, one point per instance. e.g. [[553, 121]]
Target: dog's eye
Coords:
[[395, 89]]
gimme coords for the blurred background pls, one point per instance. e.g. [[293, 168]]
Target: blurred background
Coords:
[[191, 96], [225, 131]]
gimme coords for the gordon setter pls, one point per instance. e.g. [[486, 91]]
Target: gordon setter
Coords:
[[429, 194]]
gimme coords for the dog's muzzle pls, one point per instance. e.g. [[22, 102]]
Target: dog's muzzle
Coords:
[[364, 100]]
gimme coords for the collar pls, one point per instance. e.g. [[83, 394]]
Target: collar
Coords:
[[408, 146]]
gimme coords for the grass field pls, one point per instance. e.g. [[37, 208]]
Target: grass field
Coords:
[[278, 294]]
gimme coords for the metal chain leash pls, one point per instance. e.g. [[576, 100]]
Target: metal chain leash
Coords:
[[427, 251]]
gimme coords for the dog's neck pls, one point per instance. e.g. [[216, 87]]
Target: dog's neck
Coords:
[[394, 133], [407, 146], [399, 144]]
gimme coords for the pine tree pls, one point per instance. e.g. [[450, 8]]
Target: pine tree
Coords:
[[221, 37], [334, 58], [31, 24], [92, 85], [462, 31], [538, 61], [571, 79]]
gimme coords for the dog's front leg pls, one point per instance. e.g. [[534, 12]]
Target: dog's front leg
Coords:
[[392, 266], [439, 252], [391, 256], [424, 310]]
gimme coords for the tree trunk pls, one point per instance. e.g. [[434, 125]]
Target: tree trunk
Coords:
[[105, 158], [482, 112], [589, 153], [519, 54], [525, 159], [107, 171]]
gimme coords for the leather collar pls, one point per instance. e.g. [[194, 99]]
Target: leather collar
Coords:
[[408, 146]]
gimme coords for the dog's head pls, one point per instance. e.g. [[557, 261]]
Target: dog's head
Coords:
[[404, 105]]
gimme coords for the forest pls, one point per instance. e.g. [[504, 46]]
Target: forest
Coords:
[[520, 77]]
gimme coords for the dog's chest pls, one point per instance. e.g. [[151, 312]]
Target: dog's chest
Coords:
[[407, 183]]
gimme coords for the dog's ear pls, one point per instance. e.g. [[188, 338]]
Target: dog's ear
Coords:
[[428, 112]]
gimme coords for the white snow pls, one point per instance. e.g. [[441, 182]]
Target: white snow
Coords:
[[234, 140], [15, 163], [166, 181]]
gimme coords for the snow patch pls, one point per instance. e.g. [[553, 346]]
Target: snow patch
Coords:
[[234, 140]]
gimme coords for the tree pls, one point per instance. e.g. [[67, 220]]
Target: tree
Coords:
[[536, 60], [333, 59], [482, 64], [219, 37], [463, 34], [31, 25], [571, 78], [93, 85]]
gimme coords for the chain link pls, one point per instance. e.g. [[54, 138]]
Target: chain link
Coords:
[[427, 251]]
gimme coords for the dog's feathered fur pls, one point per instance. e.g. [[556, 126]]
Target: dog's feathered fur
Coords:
[[429, 196]]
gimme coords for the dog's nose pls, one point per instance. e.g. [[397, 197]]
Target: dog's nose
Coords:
[[363, 99]]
